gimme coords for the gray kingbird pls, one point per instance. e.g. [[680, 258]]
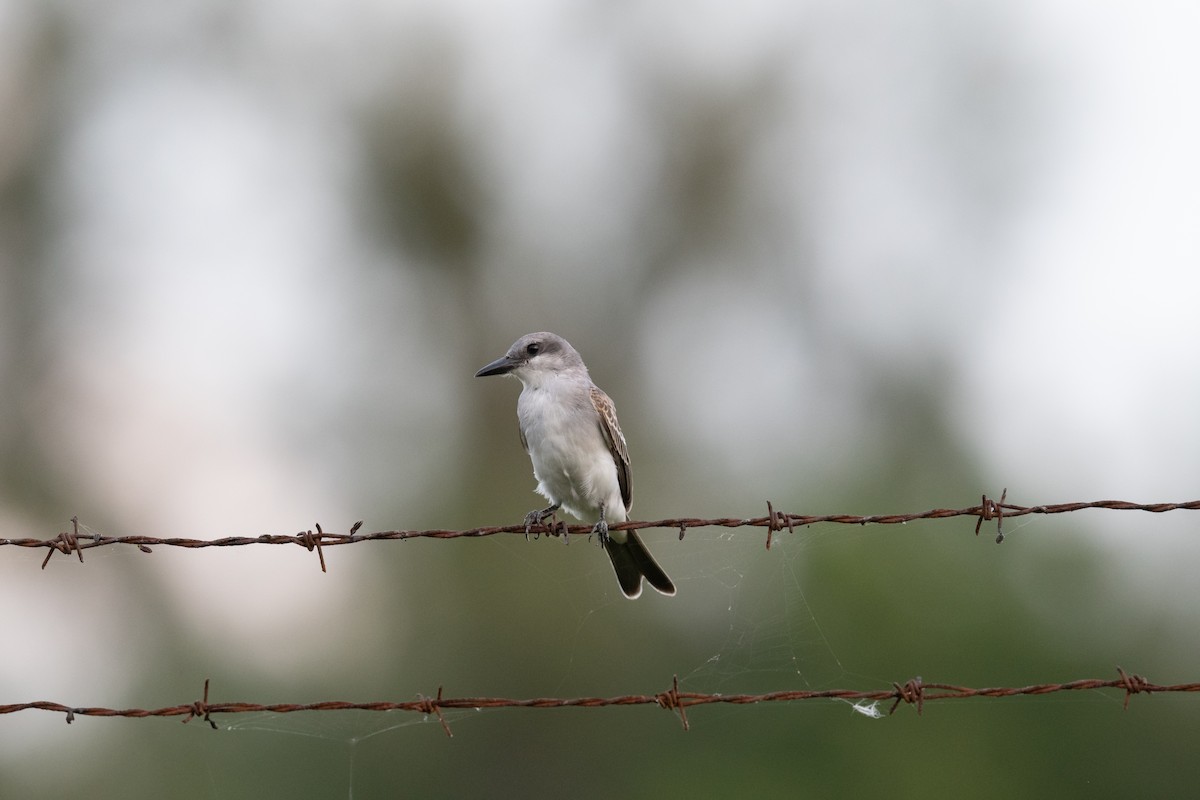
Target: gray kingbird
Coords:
[[580, 459]]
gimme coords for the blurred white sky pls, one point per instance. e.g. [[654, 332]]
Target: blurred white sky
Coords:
[[214, 267], [1103, 352], [206, 207]]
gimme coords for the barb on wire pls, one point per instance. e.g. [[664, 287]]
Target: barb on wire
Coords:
[[914, 692], [65, 543], [197, 709], [989, 509], [775, 522]]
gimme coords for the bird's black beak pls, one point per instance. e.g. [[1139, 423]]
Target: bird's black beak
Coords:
[[501, 366]]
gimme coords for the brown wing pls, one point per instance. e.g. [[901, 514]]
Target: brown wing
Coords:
[[616, 443]]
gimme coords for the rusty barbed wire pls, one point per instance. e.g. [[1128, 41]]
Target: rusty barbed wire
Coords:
[[73, 541], [914, 692]]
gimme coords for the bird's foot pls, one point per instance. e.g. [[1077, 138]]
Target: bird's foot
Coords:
[[534, 518], [600, 529]]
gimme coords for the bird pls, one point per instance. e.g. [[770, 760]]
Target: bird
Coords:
[[580, 459]]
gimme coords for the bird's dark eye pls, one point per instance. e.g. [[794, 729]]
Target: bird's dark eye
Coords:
[[534, 348]]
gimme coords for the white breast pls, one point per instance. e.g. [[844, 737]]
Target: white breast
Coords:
[[570, 458]]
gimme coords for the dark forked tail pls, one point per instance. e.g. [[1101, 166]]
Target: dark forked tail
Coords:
[[632, 561]]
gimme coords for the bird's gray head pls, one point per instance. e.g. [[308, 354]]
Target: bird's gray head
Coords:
[[534, 355]]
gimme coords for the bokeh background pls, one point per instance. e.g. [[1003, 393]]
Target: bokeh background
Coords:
[[854, 257]]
